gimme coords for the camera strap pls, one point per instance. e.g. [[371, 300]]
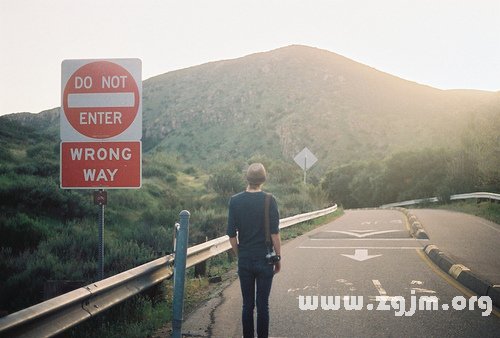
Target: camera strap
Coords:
[[267, 229]]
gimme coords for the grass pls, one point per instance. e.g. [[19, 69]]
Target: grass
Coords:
[[486, 210]]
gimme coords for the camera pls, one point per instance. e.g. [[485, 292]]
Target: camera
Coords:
[[272, 258]]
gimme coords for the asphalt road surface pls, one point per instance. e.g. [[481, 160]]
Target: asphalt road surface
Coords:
[[368, 256], [467, 239]]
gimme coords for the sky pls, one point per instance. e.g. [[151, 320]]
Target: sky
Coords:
[[446, 44]]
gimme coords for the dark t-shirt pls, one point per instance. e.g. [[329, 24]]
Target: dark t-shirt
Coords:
[[246, 217]]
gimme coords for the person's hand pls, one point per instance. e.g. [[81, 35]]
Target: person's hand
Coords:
[[277, 267]]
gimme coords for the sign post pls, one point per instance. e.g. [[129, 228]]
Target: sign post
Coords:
[[101, 199], [305, 159], [101, 129]]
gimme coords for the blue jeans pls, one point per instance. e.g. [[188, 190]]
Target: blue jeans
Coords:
[[255, 272]]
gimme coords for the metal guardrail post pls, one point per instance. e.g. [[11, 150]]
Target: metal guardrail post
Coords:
[[180, 273]]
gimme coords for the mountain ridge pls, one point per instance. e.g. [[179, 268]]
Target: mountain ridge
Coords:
[[291, 88], [277, 102]]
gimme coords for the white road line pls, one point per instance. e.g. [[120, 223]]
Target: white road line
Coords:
[[379, 287], [383, 294], [489, 226], [366, 239], [363, 247], [421, 290]]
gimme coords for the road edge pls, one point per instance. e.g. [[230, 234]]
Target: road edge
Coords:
[[463, 274], [416, 228], [457, 271]]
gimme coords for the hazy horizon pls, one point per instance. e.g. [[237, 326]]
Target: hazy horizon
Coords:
[[444, 44]]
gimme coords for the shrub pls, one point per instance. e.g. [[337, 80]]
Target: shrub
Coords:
[[21, 232], [226, 181], [207, 224]]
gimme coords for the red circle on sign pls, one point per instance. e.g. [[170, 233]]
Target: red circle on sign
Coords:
[[101, 99]]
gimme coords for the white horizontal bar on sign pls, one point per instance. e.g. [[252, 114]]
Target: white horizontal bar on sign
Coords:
[[96, 100]]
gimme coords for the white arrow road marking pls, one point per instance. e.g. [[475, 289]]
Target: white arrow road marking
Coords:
[[365, 234], [361, 255]]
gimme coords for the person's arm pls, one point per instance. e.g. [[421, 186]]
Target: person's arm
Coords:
[[274, 219], [231, 229], [234, 244], [277, 249]]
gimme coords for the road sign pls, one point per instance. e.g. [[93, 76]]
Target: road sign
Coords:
[[99, 165], [305, 159], [101, 99]]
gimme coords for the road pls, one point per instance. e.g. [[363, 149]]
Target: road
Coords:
[[368, 254], [469, 240]]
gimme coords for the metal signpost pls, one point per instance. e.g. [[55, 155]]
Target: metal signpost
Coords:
[[101, 199], [181, 243], [305, 159], [101, 129]]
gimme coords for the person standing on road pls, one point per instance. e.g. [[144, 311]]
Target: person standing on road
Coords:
[[247, 235]]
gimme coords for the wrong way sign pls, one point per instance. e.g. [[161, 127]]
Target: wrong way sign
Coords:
[[101, 100], [99, 165], [101, 124]]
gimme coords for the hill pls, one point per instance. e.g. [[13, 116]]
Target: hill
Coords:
[[370, 131], [275, 103]]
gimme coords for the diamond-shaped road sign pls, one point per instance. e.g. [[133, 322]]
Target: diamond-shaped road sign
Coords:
[[305, 159]]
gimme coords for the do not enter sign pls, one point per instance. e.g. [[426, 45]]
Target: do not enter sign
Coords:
[[101, 99], [101, 124]]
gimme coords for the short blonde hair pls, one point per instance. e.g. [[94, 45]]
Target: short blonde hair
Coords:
[[256, 174]]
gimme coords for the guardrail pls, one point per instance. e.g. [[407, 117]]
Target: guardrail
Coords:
[[60, 313], [477, 195], [474, 195], [202, 252], [63, 312]]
